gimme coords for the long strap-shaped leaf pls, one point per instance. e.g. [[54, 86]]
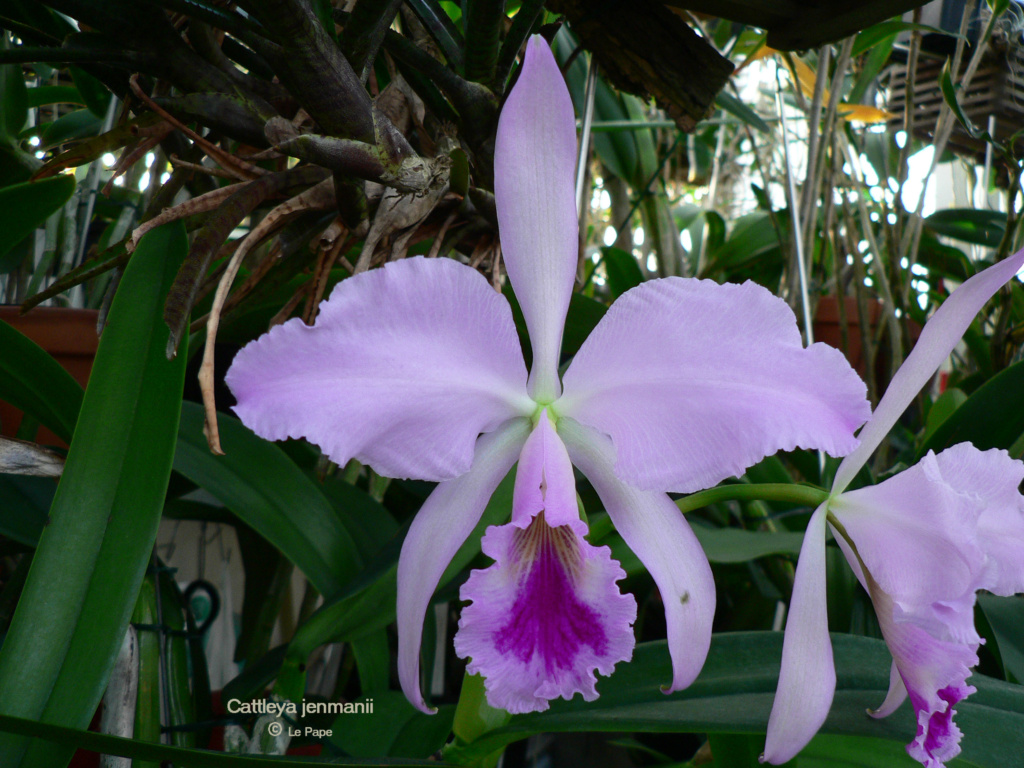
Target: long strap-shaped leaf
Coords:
[[93, 554], [180, 756], [32, 381], [258, 482]]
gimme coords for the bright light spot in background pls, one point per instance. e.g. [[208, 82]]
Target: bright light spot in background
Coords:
[[917, 166], [904, 262], [862, 246], [605, 199], [609, 235], [870, 177], [919, 269], [144, 181], [34, 141], [901, 138], [165, 177], [150, 157], [638, 236], [109, 160], [868, 282], [119, 181], [891, 218], [686, 240], [652, 263], [922, 300]]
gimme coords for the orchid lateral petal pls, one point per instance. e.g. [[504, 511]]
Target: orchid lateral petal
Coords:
[[938, 337], [654, 529], [545, 616], [444, 521], [545, 482], [897, 694], [534, 165], [915, 532], [696, 381], [807, 680], [934, 671], [405, 367], [993, 480]]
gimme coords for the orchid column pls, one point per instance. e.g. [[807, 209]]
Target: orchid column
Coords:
[[414, 369]]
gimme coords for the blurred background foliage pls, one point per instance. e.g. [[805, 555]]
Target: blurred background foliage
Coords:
[[196, 171]]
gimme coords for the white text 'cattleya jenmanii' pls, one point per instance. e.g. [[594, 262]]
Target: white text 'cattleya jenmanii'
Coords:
[[921, 543], [415, 369]]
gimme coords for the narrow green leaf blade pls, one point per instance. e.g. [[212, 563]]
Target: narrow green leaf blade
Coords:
[[92, 556], [258, 482], [33, 382], [25, 206], [992, 417], [734, 694]]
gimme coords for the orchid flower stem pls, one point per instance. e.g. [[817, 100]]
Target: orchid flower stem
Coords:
[[800, 494]]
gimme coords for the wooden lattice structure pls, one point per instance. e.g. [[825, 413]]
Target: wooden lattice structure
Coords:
[[996, 89]]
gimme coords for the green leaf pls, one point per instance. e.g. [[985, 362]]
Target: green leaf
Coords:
[[992, 417], [735, 545], [79, 124], [1006, 617], [739, 110], [91, 558], [25, 206], [945, 405], [395, 728], [43, 95], [93, 92], [13, 96], [258, 482], [734, 694], [70, 738], [972, 225], [622, 268], [949, 94], [24, 505], [876, 33], [33, 382]]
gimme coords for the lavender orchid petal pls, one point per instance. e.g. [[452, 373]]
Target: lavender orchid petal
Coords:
[[807, 680], [545, 616], [904, 526], [895, 697], [696, 381], [405, 366], [941, 333], [548, 613], [993, 480], [534, 162], [934, 672], [444, 521], [544, 480], [659, 535]]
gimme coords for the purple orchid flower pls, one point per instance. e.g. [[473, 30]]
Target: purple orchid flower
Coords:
[[415, 370], [921, 543]]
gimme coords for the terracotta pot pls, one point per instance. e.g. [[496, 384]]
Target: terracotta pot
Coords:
[[827, 329], [67, 334]]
